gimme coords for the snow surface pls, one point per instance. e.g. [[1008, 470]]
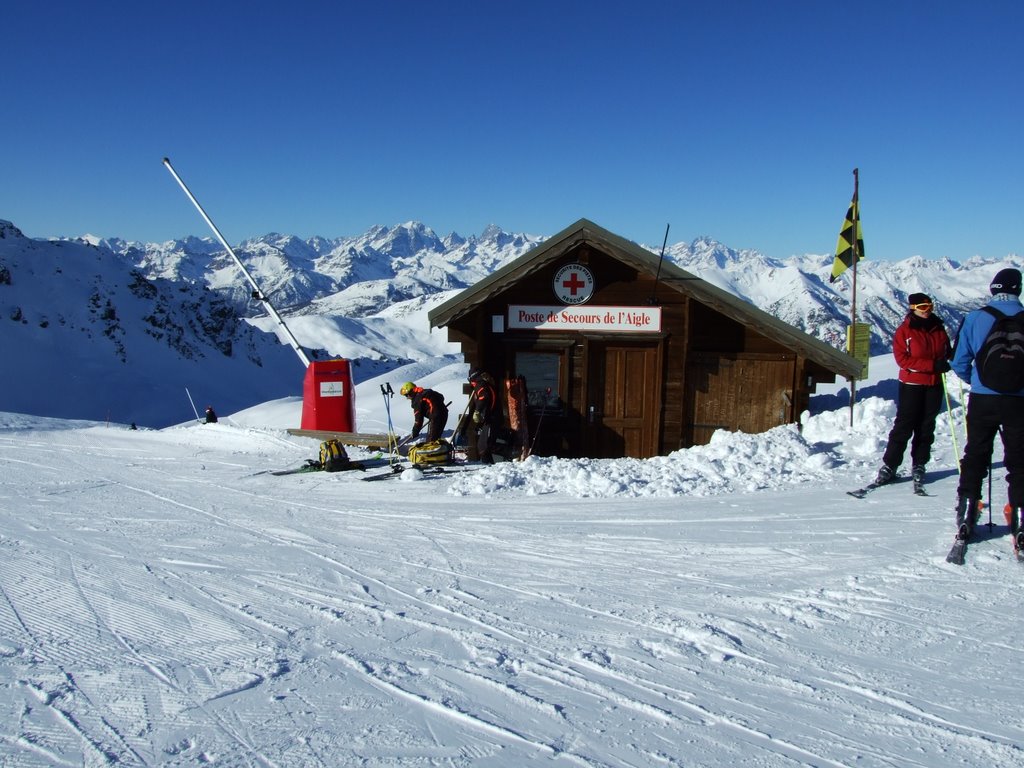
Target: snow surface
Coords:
[[164, 600]]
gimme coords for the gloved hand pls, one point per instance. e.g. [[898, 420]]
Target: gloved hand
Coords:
[[478, 418], [941, 366]]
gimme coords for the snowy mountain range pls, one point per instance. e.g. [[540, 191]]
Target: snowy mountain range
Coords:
[[178, 322]]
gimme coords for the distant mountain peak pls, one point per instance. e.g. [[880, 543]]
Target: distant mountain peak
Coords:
[[7, 229], [346, 295]]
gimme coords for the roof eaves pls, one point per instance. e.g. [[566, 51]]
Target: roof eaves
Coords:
[[486, 289]]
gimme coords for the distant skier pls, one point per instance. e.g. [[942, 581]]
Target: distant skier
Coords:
[[429, 406], [211, 417]]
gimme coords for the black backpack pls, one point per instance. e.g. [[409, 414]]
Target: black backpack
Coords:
[[1000, 361]]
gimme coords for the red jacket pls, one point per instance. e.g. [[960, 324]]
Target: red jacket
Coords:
[[918, 344]]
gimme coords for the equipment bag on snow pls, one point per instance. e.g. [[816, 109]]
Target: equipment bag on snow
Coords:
[[435, 452], [1000, 360], [333, 457]]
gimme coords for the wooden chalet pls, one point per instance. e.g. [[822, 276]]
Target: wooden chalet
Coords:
[[626, 355]]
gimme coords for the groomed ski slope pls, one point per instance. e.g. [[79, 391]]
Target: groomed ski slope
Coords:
[[167, 602]]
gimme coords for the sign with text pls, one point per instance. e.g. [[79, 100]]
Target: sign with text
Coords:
[[858, 344], [584, 318], [332, 389]]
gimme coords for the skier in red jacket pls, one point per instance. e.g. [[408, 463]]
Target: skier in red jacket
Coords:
[[922, 351]]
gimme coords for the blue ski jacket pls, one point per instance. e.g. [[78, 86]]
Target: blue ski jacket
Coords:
[[972, 335]]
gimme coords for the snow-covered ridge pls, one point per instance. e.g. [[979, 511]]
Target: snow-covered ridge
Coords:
[[387, 265]]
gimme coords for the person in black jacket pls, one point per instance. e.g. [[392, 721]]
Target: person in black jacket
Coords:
[[484, 413], [990, 412], [211, 417], [429, 406]]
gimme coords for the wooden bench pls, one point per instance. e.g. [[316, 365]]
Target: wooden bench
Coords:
[[345, 438]]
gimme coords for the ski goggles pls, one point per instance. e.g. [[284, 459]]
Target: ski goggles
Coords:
[[924, 306]]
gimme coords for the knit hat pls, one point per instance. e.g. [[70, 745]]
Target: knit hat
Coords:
[[918, 298], [1006, 281]]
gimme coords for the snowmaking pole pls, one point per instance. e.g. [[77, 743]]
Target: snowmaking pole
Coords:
[[193, 405], [256, 292]]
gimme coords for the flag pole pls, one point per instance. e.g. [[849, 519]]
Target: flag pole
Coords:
[[853, 295]]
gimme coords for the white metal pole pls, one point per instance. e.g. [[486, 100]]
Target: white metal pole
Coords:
[[193, 405], [258, 293]]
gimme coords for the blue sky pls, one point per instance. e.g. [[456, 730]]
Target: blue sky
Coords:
[[742, 121]]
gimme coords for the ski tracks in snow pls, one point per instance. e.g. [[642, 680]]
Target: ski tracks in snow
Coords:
[[198, 612]]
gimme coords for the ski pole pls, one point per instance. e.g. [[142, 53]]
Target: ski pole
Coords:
[[963, 407], [952, 426], [990, 492], [540, 419], [462, 420], [387, 405], [387, 392]]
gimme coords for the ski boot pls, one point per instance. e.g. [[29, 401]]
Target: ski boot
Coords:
[[917, 475], [967, 512], [885, 475], [1014, 517]]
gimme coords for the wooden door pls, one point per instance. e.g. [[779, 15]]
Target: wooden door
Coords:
[[740, 393], [623, 400]]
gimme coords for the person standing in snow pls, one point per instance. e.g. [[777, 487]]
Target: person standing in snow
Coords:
[[922, 351], [427, 405], [484, 413], [211, 417], [989, 412]]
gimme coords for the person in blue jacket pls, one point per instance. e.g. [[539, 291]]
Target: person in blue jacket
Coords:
[[989, 412]]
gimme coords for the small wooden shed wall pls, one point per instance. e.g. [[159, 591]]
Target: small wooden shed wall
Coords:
[[638, 387]]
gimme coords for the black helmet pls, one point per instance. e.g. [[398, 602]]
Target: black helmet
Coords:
[[475, 374]]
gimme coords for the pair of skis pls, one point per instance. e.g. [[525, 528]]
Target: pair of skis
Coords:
[[860, 493], [958, 552], [312, 465], [428, 471]]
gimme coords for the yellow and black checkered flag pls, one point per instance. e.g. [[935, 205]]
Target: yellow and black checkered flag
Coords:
[[844, 248]]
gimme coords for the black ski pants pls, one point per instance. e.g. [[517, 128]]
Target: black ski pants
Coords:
[[438, 421], [486, 439], [916, 410], [987, 415]]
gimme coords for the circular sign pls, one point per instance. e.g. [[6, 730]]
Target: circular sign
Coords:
[[573, 284]]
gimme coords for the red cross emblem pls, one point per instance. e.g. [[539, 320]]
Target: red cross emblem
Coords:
[[573, 284]]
